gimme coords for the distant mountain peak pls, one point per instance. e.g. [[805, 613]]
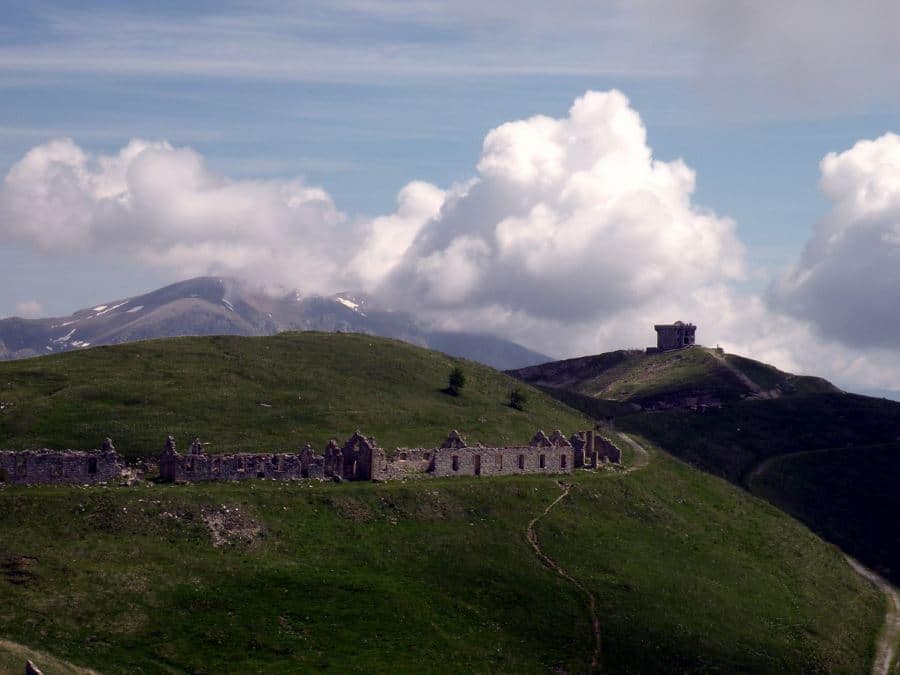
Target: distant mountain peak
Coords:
[[211, 305]]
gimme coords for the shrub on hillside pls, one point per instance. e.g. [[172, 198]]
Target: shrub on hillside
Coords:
[[517, 398], [456, 381]]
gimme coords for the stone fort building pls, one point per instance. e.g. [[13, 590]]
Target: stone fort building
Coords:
[[671, 336]]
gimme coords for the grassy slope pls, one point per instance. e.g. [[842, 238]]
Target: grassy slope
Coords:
[[635, 376], [318, 385], [732, 440], [833, 491], [649, 376], [13, 657], [691, 575]]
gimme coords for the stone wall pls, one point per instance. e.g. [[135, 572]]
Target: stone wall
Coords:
[[360, 458], [198, 466], [39, 467], [405, 463], [541, 455], [591, 449]]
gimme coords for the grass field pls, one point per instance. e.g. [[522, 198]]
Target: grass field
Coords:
[[849, 496], [734, 439], [690, 573], [261, 394]]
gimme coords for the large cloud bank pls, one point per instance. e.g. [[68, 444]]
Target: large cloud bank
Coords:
[[570, 223], [163, 206], [570, 238], [847, 283], [569, 219]]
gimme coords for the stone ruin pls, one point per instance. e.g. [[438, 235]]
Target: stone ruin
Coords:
[[591, 449], [360, 459], [43, 467]]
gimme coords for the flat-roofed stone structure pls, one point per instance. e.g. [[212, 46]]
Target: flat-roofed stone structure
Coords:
[[671, 336]]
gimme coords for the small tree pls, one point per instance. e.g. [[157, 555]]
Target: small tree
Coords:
[[456, 381], [517, 398]]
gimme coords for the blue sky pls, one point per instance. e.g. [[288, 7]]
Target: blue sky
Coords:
[[360, 97]]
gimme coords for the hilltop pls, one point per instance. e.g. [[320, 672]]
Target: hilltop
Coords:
[[686, 377], [261, 394]]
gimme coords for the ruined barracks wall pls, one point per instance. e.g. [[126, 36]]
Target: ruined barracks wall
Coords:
[[478, 461], [38, 467], [591, 449], [198, 466], [543, 454], [360, 458], [406, 463]]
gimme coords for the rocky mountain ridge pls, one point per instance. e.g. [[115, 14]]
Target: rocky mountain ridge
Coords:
[[223, 306]]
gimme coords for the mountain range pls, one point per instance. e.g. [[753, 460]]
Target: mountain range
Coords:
[[223, 306]]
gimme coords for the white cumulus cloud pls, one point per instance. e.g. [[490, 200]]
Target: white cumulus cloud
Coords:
[[568, 220], [29, 309], [570, 238], [163, 206], [847, 282]]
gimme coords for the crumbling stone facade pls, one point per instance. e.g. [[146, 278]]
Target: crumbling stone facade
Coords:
[[592, 449], [198, 466], [44, 467], [541, 455], [671, 336], [360, 458]]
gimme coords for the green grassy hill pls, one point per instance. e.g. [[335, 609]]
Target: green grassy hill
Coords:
[[835, 493], [651, 380], [849, 496], [690, 575], [260, 393]]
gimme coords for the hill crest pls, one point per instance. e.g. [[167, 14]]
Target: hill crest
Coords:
[[692, 377]]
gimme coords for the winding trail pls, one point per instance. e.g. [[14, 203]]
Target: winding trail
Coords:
[[763, 466], [888, 642], [741, 376], [532, 538], [642, 458], [14, 655], [890, 634]]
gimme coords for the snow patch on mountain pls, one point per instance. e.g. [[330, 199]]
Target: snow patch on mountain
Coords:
[[349, 304], [65, 338]]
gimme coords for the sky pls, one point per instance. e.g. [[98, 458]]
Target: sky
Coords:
[[561, 174]]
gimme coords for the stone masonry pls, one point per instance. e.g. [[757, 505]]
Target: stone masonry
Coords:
[[39, 467], [671, 336], [360, 458]]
